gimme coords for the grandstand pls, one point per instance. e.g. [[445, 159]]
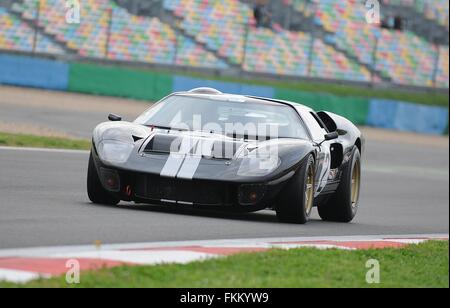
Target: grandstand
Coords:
[[18, 35], [332, 42]]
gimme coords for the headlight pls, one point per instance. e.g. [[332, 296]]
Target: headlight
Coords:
[[114, 151], [258, 165]]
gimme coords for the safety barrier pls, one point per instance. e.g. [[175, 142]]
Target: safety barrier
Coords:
[[407, 117], [182, 83], [140, 84], [112, 81], [33, 72], [354, 109]]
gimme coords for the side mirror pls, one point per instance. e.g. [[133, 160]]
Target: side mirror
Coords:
[[114, 117], [331, 136]]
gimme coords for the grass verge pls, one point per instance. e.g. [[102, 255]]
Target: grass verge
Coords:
[[424, 265], [425, 98], [19, 140]]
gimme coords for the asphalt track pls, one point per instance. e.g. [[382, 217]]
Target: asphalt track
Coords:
[[43, 200], [43, 203]]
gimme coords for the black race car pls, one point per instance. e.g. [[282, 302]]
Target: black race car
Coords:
[[206, 149]]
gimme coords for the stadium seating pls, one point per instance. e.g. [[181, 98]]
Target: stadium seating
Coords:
[[190, 53], [327, 63], [436, 10], [282, 53], [88, 37], [443, 68], [218, 34], [407, 58], [287, 53], [17, 35], [403, 56], [302, 6], [132, 38], [135, 38], [218, 24], [221, 26]]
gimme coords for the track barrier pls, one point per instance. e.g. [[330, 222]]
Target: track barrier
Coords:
[[152, 86], [33, 72]]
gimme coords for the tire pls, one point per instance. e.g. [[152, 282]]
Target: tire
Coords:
[[296, 200], [96, 193], [343, 205]]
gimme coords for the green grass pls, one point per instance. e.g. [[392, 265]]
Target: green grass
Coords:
[[19, 140], [424, 265], [429, 98]]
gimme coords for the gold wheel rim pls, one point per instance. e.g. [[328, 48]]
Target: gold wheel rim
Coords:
[[309, 191], [356, 182]]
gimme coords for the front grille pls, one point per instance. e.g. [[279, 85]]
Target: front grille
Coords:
[[190, 191]]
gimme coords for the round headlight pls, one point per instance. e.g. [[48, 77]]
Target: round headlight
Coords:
[[258, 166], [114, 151]]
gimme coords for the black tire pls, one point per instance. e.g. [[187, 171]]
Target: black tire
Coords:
[[96, 193], [341, 207], [292, 205]]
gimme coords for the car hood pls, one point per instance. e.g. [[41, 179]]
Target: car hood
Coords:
[[203, 156]]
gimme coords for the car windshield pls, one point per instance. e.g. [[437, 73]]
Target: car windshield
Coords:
[[234, 116]]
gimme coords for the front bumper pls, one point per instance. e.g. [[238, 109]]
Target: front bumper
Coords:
[[155, 189]]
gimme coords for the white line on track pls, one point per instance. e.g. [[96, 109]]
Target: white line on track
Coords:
[[407, 170], [18, 276], [255, 242], [26, 149]]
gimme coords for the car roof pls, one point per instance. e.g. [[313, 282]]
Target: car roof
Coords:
[[214, 94]]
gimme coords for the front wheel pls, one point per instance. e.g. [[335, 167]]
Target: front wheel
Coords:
[[296, 200], [342, 207], [96, 193]]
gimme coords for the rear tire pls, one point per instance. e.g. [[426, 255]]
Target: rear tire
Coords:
[[96, 193], [294, 205], [343, 205]]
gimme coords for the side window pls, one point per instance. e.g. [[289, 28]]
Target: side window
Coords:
[[315, 128], [319, 121]]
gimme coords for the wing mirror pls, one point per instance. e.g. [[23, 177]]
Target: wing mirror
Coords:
[[331, 136], [114, 117], [328, 137]]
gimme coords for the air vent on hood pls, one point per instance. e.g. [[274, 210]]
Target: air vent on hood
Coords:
[[136, 138], [217, 149], [162, 144]]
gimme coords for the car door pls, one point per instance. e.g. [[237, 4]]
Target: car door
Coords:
[[323, 159]]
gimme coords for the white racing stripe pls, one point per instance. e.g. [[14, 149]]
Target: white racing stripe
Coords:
[[172, 165], [189, 167], [175, 160], [184, 163], [191, 162]]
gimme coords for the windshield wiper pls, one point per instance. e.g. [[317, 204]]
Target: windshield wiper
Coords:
[[166, 127]]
